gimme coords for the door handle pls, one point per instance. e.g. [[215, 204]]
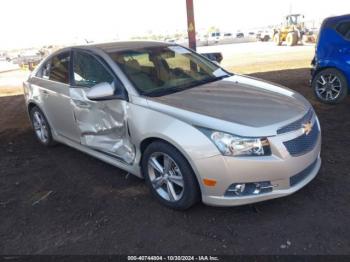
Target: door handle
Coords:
[[81, 104]]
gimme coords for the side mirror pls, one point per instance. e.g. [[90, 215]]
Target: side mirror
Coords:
[[214, 57], [101, 91]]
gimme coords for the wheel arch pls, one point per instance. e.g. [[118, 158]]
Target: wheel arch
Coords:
[[31, 104], [149, 140]]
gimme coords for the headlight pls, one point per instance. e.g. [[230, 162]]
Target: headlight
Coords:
[[231, 145]]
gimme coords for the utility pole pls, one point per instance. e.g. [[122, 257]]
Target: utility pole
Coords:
[[191, 28]]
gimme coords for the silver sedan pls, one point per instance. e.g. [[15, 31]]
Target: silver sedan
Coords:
[[164, 113]]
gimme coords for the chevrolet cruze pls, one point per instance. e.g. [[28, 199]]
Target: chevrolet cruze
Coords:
[[191, 129]]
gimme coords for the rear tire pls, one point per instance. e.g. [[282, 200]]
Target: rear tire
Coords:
[[169, 176], [292, 39], [330, 86], [41, 127]]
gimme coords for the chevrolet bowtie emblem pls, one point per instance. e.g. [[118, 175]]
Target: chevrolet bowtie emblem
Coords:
[[307, 128]]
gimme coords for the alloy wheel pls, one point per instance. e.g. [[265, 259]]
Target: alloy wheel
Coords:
[[328, 87], [165, 177], [40, 127]]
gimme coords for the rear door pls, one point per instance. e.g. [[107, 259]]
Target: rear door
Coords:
[[55, 83], [102, 124]]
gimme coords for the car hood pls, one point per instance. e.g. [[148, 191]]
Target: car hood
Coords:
[[240, 100]]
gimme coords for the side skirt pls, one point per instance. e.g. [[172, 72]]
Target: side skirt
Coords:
[[114, 161]]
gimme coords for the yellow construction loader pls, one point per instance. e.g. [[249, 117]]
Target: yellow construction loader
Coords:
[[293, 31]]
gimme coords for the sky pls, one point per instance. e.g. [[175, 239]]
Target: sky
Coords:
[[25, 23]]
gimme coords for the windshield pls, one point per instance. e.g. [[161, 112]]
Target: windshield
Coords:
[[157, 71]]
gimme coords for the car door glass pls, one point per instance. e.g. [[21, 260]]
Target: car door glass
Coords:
[[344, 29], [45, 72], [88, 71], [59, 68]]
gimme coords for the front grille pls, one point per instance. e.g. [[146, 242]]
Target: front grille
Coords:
[[297, 124], [303, 144], [296, 179]]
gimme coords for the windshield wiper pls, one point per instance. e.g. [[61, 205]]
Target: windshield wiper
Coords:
[[211, 79], [219, 78]]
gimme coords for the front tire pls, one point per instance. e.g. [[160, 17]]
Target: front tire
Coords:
[[292, 39], [330, 86], [41, 127], [169, 176]]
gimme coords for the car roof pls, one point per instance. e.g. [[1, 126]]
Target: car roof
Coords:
[[334, 20], [124, 45], [111, 47]]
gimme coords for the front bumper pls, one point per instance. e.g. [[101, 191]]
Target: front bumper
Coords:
[[278, 169], [276, 193], [313, 70]]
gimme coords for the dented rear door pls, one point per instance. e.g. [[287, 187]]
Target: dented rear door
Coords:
[[103, 125]]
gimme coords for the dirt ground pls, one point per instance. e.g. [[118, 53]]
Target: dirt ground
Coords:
[[61, 201], [11, 82]]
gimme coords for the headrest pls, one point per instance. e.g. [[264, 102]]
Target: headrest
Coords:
[[133, 65]]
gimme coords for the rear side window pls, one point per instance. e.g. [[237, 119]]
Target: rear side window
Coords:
[[344, 29], [59, 68], [88, 71]]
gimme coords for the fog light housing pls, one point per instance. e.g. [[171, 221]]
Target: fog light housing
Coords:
[[249, 189], [238, 189]]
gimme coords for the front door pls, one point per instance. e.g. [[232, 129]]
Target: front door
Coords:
[[56, 96], [102, 124]]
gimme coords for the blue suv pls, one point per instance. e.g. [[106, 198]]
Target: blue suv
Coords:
[[331, 64]]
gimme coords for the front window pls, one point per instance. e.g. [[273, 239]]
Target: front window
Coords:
[[157, 71], [87, 71]]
